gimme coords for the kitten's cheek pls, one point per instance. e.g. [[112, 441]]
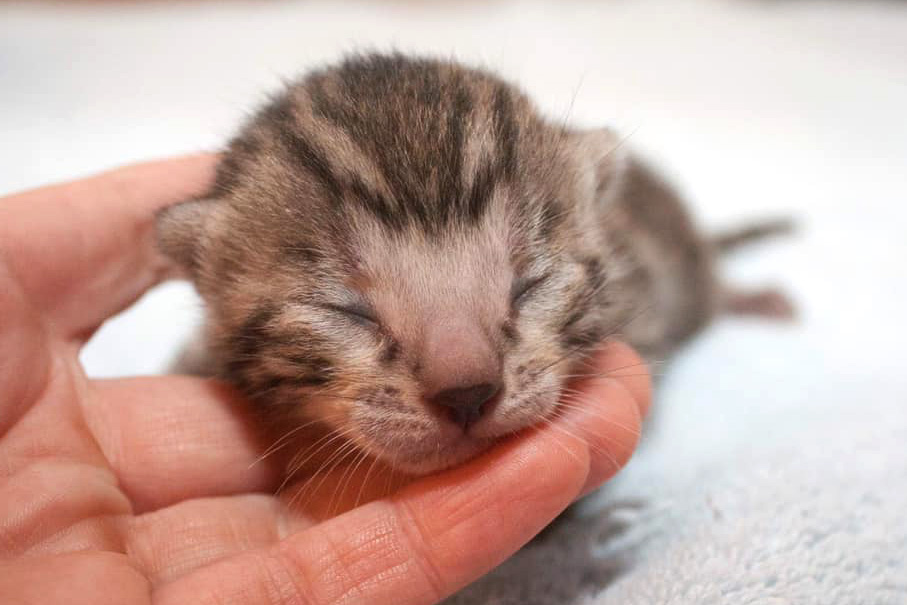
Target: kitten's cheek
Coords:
[[332, 412]]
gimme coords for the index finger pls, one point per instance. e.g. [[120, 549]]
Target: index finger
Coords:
[[442, 532], [85, 250]]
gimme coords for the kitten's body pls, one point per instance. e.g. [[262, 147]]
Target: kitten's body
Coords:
[[405, 252]]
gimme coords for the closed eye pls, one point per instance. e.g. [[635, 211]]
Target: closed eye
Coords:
[[523, 288], [360, 313]]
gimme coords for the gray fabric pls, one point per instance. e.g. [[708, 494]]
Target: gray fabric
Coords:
[[801, 500]]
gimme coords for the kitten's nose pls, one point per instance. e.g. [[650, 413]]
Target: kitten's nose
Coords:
[[460, 369], [466, 404]]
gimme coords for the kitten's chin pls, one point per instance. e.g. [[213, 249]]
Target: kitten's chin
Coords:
[[414, 460]]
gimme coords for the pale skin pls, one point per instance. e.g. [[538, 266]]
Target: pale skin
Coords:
[[147, 490]]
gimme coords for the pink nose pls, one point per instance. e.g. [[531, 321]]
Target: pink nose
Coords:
[[467, 404], [461, 371]]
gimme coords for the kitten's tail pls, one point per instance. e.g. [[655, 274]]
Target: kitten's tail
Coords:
[[728, 241]]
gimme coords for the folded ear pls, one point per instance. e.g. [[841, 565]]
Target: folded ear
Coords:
[[181, 231], [606, 156]]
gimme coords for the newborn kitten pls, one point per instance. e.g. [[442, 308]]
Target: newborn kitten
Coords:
[[404, 251]]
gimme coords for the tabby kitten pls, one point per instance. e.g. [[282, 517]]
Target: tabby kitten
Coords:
[[405, 252]]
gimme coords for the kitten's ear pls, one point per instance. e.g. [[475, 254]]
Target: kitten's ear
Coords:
[[181, 230], [603, 151]]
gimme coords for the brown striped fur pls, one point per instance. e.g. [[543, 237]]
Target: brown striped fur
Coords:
[[375, 202]]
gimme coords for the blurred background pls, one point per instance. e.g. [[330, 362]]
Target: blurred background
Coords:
[[754, 108]]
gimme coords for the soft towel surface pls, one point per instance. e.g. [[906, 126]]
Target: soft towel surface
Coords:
[[812, 513], [775, 469]]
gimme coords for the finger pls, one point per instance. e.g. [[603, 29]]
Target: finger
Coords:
[[437, 534], [84, 250], [80, 578], [618, 361], [51, 502], [172, 541], [610, 431], [25, 357], [171, 438]]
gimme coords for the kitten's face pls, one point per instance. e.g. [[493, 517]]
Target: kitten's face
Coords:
[[422, 310]]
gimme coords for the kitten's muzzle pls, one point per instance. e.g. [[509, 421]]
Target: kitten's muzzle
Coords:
[[465, 405], [461, 370]]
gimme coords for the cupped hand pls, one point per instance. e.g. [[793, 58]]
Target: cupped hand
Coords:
[[146, 490]]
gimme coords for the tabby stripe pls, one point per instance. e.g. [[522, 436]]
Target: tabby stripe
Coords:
[[302, 151], [505, 131]]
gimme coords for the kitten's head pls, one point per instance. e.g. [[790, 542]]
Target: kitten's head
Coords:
[[404, 250]]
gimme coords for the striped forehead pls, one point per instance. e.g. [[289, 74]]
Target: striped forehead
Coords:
[[426, 147]]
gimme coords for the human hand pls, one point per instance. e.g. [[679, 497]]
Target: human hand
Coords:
[[144, 490]]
